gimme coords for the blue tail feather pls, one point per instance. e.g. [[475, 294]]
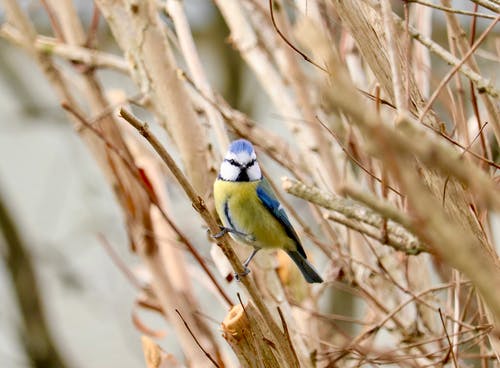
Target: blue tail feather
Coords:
[[305, 267]]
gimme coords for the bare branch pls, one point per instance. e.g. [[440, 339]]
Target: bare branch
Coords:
[[398, 237]]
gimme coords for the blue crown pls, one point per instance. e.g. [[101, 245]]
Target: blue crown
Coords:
[[241, 145]]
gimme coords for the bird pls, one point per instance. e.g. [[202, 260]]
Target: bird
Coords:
[[250, 211]]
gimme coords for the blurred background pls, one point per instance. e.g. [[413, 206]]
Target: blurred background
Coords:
[[61, 202]]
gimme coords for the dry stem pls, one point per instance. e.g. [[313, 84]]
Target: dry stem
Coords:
[[399, 238], [224, 242]]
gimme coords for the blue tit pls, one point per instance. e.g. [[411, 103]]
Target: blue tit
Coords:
[[250, 211]]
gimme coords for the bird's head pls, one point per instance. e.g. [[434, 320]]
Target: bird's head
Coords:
[[240, 163]]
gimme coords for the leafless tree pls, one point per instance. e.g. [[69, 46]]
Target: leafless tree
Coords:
[[396, 157]]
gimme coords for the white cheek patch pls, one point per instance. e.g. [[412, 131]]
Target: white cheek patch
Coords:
[[228, 172], [254, 172]]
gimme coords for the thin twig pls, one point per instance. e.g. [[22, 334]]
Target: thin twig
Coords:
[[119, 262], [56, 27], [396, 69], [481, 83], [466, 149], [482, 331], [356, 161], [475, 106], [488, 5], [306, 58], [94, 25], [223, 242], [188, 48], [197, 342], [456, 68], [452, 10], [450, 351], [134, 170], [285, 331]]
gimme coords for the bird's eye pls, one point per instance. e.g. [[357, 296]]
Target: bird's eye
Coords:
[[234, 163], [250, 164]]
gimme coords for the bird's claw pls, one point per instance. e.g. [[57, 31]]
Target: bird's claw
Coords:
[[221, 233], [224, 230], [237, 275]]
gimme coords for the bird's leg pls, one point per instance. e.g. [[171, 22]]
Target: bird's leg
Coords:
[[225, 230], [247, 262], [246, 270]]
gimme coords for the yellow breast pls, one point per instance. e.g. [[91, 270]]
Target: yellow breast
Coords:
[[239, 207]]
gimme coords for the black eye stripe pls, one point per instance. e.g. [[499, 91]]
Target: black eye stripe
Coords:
[[233, 162], [237, 164], [250, 164]]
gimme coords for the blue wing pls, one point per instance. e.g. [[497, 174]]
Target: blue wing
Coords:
[[268, 198]]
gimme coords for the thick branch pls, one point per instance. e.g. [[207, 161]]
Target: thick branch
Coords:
[[242, 330], [137, 30], [50, 46], [457, 244], [357, 217]]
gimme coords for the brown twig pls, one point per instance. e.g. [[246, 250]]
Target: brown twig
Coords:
[[475, 106], [304, 56], [452, 10], [399, 238], [457, 67], [223, 242], [356, 161], [197, 342], [285, 332], [49, 46], [119, 262], [135, 172], [394, 60], [451, 350], [93, 28], [56, 27], [466, 149], [482, 83]]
